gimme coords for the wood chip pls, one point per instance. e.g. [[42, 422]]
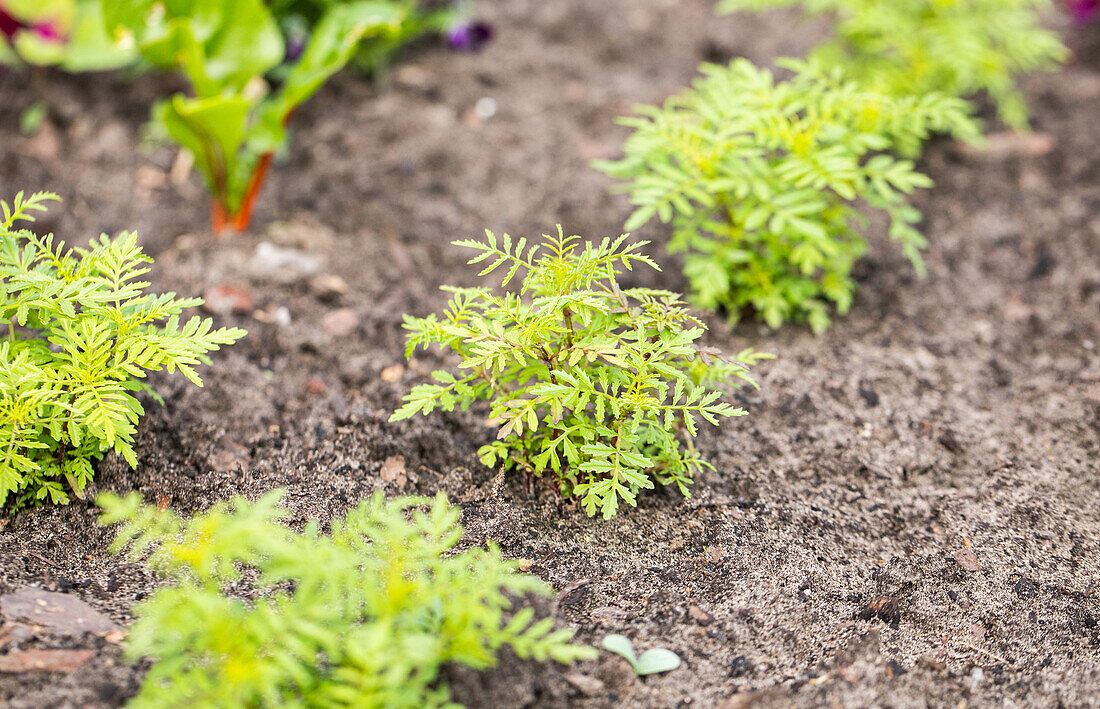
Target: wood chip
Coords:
[[885, 608], [588, 686], [967, 559], [44, 660], [393, 373], [328, 286], [59, 613], [700, 616], [931, 663], [226, 298], [340, 322], [713, 555], [1010, 144], [393, 470]]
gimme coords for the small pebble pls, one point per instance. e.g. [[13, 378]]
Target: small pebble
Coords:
[[700, 616], [226, 298], [340, 322], [967, 560], [485, 108]]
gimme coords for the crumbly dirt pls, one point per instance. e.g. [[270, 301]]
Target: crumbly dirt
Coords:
[[938, 446]]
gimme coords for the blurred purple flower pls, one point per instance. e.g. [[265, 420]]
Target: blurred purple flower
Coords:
[[9, 25], [295, 47], [1083, 10], [47, 31], [469, 36]]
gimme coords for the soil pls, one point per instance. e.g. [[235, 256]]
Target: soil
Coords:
[[938, 446]]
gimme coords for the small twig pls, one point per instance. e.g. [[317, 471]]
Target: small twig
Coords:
[[45, 560], [497, 490], [1078, 594], [998, 658]]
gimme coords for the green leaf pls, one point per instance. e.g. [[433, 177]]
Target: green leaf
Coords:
[[584, 379], [766, 183], [220, 46], [213, 130], [656, 660], [621, 645], [90, 336], [651, 661], [332, 43], [365, 616], [89, 47], [30, 120]]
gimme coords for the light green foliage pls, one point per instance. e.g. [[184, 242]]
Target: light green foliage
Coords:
[[914, 47], [417, 19], [81, 335], [652, 661], [65, 33], [596, 384], [763, 182], [233, 118], [364, 617], [30, 120]]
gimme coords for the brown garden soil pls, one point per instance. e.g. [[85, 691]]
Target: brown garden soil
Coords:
[[938, 446]]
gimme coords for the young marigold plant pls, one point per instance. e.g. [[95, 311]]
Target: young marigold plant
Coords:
[[81, 335], [914, 47], [599, 385], [763, 182], [363, 617]]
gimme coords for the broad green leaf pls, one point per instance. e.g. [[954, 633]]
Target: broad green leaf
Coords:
[[333, 42], [656, 660], [621, 645], [213, 129], [90, 47]]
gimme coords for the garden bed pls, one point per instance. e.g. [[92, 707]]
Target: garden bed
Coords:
[[938, 446]]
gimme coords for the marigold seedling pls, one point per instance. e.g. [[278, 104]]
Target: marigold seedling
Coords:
[[601, 386], [916, 47], [81, 336], [763, 182], [365, 616]]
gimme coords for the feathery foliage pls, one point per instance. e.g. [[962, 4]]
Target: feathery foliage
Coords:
[[762, 182], [596, 384], [914, 47], [363, 617], [81, 335]]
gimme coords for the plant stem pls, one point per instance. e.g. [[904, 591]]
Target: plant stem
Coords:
[[240, 219], [243, 216], [568, 315], [218, 219]]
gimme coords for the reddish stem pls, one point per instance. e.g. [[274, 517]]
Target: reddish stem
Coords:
[[218, 219], [243, 216], [240, 220]]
